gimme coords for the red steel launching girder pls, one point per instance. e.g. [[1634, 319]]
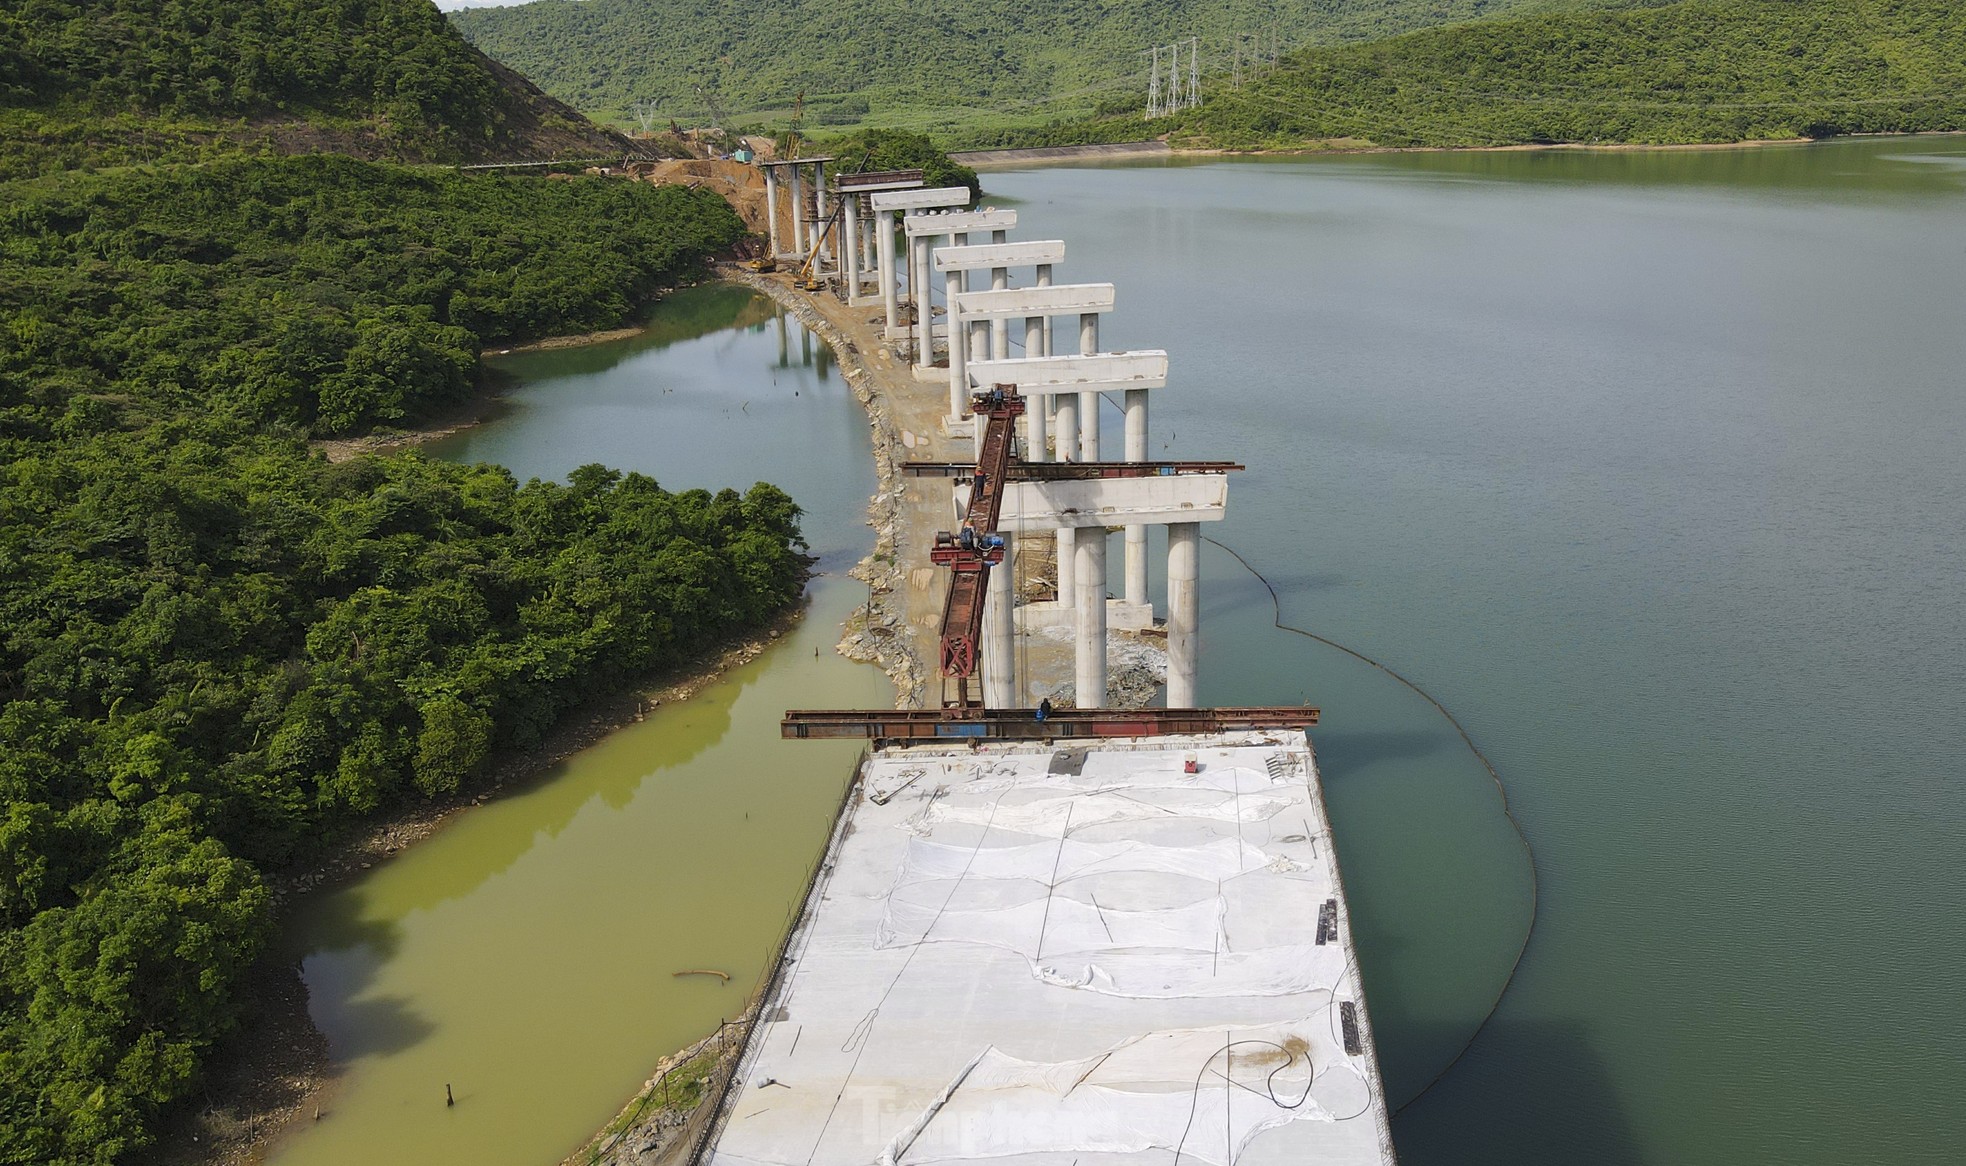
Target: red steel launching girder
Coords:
[[1022, 471], [1024, 725], [969, 554]]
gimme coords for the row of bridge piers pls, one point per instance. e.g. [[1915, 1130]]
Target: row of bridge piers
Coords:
[[890, 240]]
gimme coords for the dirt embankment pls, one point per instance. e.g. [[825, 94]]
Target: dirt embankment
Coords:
[[740, 183]]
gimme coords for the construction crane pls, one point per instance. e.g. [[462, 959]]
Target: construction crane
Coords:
[[808, 277]]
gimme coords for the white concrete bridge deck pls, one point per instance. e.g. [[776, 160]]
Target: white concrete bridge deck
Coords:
[[1040, 956]]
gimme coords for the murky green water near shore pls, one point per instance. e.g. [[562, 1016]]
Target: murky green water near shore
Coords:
[[1652, 466], [524, 955]]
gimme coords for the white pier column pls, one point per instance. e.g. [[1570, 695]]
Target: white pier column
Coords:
[[1136, 534], [999, 632], [1068, 451], [924, 302], [1067, 567], [958, 352], [1090, 551], [1044, 280], [798, 211], [771, 212], [850, 248], [822, 237], [1049, 405], [1000, 329], [890, 278], [1183, 612], [1088, 402], [1036, 408]]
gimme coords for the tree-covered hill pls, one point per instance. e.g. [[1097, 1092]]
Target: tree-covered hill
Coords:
[[105, 81], [947, 66], [218, 651], [1697, 71]]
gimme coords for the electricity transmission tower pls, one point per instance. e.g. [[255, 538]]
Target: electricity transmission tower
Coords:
[[646, 113], [1182, 88]]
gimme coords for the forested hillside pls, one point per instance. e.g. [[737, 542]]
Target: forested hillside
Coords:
[[218, 652], [1698, 71], [948, 67], [106, 81]]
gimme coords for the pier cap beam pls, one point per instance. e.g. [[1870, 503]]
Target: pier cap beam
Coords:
[[1061, 299], [985, 256], [1038, 376], [877, 181], [957, 222], [1029, 507], [914, 200]]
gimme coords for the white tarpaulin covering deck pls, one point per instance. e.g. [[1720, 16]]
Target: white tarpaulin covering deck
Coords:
[[1034, 958]]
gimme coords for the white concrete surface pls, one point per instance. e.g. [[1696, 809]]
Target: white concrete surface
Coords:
[[931, 223], [984, 256], [1049, 615], [1059, 299], [1049, 375], [1034, 506], [920, 198], [1036, 957]]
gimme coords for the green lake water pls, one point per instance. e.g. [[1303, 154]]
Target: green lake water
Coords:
[[1652, 466]]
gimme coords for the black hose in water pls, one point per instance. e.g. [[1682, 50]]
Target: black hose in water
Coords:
[[1522, 839]]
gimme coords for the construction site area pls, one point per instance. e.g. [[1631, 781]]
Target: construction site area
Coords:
[[1068, 911]]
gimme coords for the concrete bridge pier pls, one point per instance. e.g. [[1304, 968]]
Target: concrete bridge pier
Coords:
[[924, 300], [1000, 690], [1088, 402], [822, 234], [885, 203], [958, 339], [1136, 533], [798, 211], [1044, 349], [1068, 451], [850, 246], [1089, 574], [1183, 612], [771, 212], [890, 296], [870, 261], [1038, 412]]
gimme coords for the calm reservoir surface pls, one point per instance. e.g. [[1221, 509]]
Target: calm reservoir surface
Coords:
[[1651, 466]]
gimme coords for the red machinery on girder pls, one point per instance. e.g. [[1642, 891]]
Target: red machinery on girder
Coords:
[[971, 552]]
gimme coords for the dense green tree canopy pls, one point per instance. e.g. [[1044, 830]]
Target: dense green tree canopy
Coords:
[[82, 80], [317, 292], [217, 649], [949, 67], [1698, 71]]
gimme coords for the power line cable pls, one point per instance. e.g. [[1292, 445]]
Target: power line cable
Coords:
[[1521, 836]]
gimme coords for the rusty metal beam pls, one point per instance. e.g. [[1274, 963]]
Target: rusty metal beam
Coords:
[[1022, 471], [1024, 725]]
